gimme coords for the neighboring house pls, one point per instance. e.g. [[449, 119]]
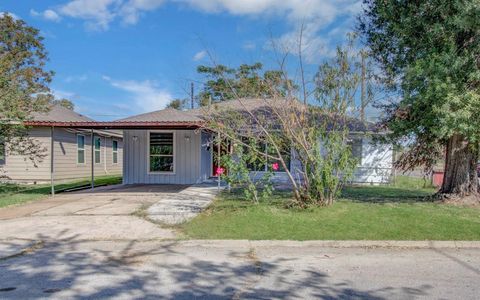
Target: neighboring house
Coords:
[[71, 150], [167, 147]]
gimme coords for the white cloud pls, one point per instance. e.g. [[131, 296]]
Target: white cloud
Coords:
[[147, 96], [249, 45], [131, 10], [78, 78], [61, 94], [97, 13], [102, 12], [316, 15], [199, 55], [48, 15]]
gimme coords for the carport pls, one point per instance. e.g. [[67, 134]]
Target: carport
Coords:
[[126, 125]]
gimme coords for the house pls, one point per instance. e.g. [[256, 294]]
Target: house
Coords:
[[169, 147], [71, 150]]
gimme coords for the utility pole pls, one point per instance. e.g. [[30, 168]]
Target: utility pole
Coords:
[[191, 94]]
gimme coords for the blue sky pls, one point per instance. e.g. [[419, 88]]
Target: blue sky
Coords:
[[115, 58]]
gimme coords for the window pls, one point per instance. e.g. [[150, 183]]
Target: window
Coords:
[[264, 163], [115, 151], [161, 152], [97, 149], [80, 149], [356, 146]]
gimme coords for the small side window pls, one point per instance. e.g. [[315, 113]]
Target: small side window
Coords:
[[80, 149], [115, 151], [98, 144], [356, 146]]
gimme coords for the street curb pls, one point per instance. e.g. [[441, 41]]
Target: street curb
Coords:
[[335, 244]]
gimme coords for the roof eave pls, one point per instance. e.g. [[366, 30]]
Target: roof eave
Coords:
[[117, 124]]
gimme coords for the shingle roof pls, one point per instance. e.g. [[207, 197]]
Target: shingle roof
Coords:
[[59, 113], [197, 115], [163, 116], [259, 104]]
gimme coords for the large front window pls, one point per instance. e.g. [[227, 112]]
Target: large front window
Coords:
[[161, 152]]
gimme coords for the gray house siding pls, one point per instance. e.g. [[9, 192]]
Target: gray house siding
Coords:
[[20, 168], [193, 160], [187, 158]]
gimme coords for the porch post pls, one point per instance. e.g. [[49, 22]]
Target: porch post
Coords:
[[52, 161], [92, 165]]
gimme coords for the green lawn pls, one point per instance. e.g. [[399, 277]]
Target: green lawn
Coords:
[[364, 213], [14, 194]]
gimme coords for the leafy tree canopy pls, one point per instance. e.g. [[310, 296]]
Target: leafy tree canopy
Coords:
[[246, 81], [178, 104], [65, 103], [23, 81], [429, 52]]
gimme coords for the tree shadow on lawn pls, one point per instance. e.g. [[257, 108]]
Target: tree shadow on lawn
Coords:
[[386, 194], [77, 270]]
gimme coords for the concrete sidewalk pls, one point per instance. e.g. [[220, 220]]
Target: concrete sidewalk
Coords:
[[176, 208]]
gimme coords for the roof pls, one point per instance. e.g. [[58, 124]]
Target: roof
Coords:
[[168, 118], [58, 113], [265, 105], [165, 115]]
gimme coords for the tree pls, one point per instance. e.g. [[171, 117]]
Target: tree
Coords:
[[23, 83], [246, 81], [429, 54], [281, 129], [178, 104], [64, 103]]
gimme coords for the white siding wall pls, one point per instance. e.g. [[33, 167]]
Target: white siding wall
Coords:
[[377, 163], [187, 159]]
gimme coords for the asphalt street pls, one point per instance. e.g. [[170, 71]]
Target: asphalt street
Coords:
[[127, 269]]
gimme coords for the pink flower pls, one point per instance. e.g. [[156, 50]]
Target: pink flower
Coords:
[[275, 166], [220, 171]]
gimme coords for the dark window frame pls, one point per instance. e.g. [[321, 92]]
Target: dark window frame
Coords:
[[161, 155]]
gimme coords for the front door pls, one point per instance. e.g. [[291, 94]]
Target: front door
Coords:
[[216, 165]]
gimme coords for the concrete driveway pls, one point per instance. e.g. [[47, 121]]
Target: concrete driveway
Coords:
[[105, 214]]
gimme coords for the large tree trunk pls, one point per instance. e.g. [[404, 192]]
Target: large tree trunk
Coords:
[[460, 168]]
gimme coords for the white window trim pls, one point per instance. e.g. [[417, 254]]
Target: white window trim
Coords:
[[84, 149], [174, 153], [113, 151], [95, 150]]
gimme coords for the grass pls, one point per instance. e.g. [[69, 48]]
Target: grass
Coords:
[[395, 212], [15, 194]]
